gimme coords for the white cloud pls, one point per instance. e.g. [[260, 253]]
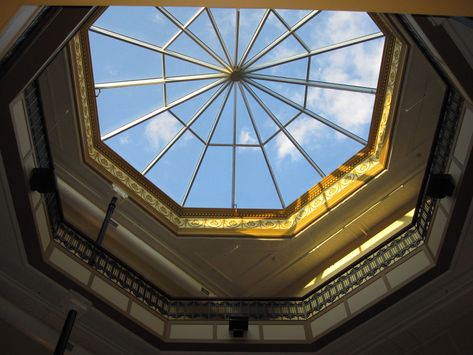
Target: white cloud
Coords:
[[160, 130], [125, 139], [305, 130], [246, 137]]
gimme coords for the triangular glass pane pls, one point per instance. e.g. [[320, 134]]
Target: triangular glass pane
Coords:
[[354, 65], [132, 63], [245, 132], [249, 20], [182, 13], [180, 89], [213, 184], [331, 27], [293, 92], [143, 23], [254, 187], [140, 144], [224, 131], [293, 172], [226, 23], [287, 48], [173, 172], [203, 29], [326, 148], [120, 106], [186, 110], [350, 110], [264, 123], [293, 69], [271, 30], [206, 120], [282, 111], [178, 67], [292, 16], [186, 45]]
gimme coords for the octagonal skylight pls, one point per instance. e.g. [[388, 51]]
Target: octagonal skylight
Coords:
[[235, 108]]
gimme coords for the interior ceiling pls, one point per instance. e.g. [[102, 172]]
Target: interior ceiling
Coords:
[[243, 267]]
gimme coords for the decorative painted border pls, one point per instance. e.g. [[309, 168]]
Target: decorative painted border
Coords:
[[266, 223]]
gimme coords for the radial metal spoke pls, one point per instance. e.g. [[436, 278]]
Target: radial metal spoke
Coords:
[[313, 83], [165, 92], [263, 150], [281, 38], [316, 51], [161, 110], [184, 129], [219, 36], [172, 79], [307, 112], [254, 37], [237, 33], [157, 49], [284, 130], [307, 78], [187, 24], [193, 37], [295, 35], [234, 145], [201, 158]]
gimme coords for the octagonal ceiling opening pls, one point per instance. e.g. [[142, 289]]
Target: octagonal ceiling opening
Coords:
[[235, 108]]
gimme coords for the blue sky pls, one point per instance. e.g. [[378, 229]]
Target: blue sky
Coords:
[[246, 148]]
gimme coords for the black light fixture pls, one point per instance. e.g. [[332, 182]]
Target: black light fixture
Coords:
[[43, 180], [238, 325], [440, 186]]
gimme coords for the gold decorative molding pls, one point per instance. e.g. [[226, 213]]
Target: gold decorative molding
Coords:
[[334, 188]]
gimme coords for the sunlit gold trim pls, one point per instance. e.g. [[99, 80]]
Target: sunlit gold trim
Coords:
[[241, 222]]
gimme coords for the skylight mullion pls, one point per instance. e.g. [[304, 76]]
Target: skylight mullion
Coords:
[[185, 125], [193, 37], [187, 24], [237, 34], [161, 110], [231, 145], [254, 37], [201, 158], [281, 38], [155, 48], [313, 83], [279, 130], [234, 144], [219, 36], [258, 136], [326, 49], [284, 130], [295, 35], [307, 78], [308, 112], [184, 129], [163, 66], [153, 81]]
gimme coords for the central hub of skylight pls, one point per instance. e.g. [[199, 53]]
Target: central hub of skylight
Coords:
[[235, 108]]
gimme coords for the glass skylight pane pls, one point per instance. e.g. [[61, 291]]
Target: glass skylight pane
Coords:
[[180, 89], [178, 67], [287, 48], [350, 110], [245, 133], [108, 68], [271, 30], [282, 111], [226, 23], [119, 106], [143, 23], [326, 147], [293, 92], [187, 109], [254, 186], [185, 44], [206, 120], [293, 173], [249, 20], [141, 143], [292, 16], [213, 184], [224, 130], [294, 69], [182, 13], [355, 65], [174, 171], [331, 27]]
